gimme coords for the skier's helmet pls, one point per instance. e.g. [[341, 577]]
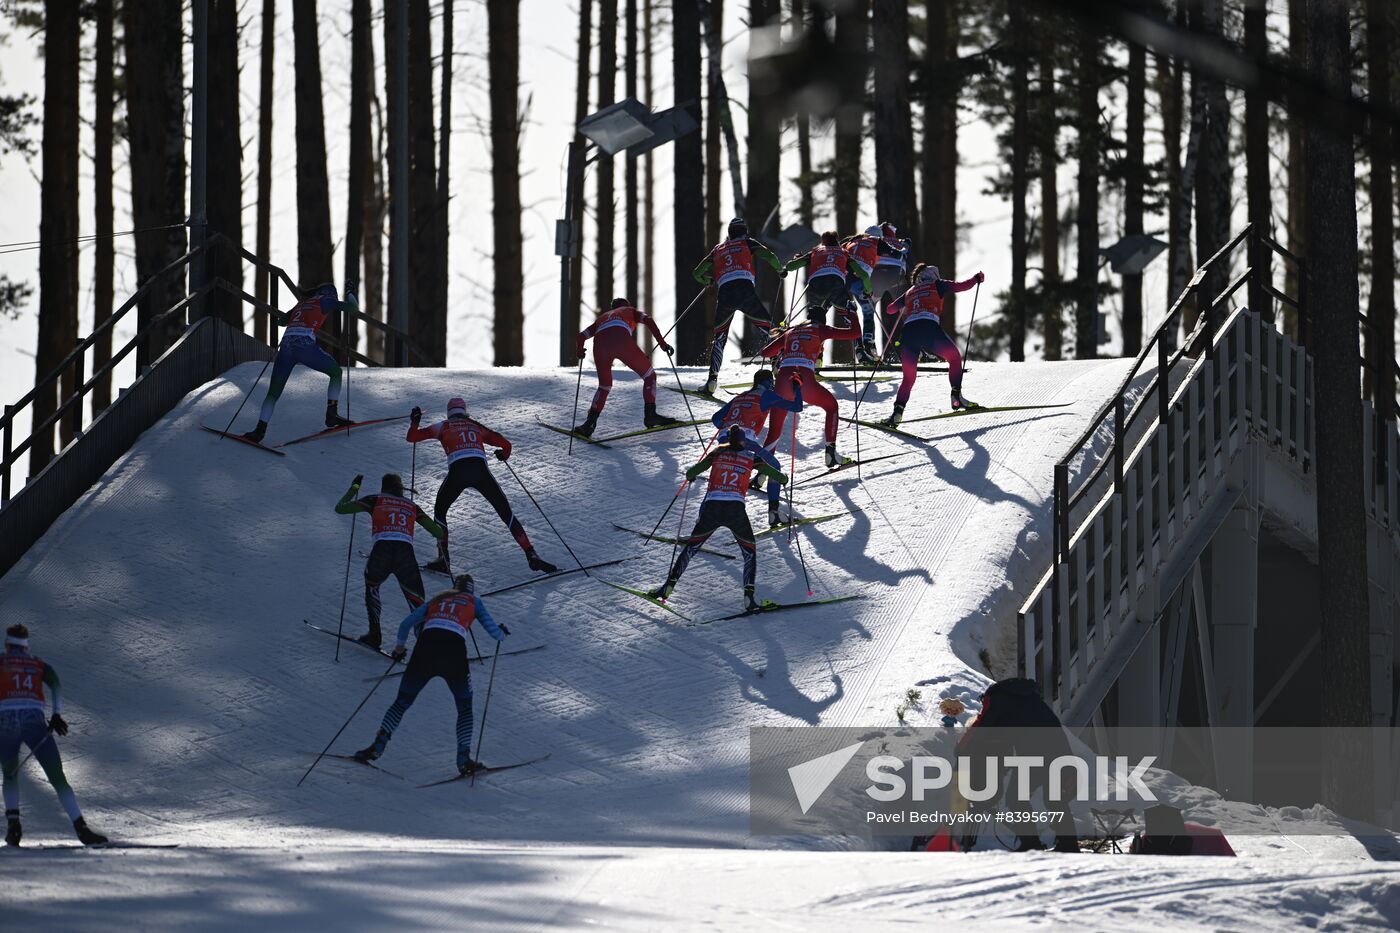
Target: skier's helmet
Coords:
[[925, 273], [831, 238], [464, 583], [326, 291], [875, 231], [620, 303], [738, 228], [888, 230], [763, 377], [457, 406], [17, 636]]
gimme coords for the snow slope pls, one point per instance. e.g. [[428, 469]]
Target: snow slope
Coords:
[[171, 599]]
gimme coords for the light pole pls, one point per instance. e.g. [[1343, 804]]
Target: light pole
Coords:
[[626, 126]]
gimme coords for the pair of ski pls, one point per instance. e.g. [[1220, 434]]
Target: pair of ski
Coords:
[[781, 526], [764, 607], [110, 844], [382, 653], [479, 772], [275, 448], [957, 413], [605, 441]]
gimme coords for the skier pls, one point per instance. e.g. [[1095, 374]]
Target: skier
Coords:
[[724, 507], [828, 271], [298, 345], [798, 350], [463, 440], [22, 680], [613, 340], [749, 409], [866, 250], [392, 518], [920, 309], [442, 624], [730, 265], [888, 281]]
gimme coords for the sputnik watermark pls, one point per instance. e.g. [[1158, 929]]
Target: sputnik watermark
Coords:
[[1064, 778]]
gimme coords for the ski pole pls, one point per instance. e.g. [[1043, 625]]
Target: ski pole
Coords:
[[578, 387], [668, 510], [792, 528], [859, 477], [546, 518], [345, 589], [685, 312], [48, 734], [883, 356], [348, 721], [486, 708], [247, 395], [973, 317], [413, 472], [680, 526], [698, 437]]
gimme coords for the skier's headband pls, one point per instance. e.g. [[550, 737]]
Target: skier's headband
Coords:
[[14, 641], [456, 406]]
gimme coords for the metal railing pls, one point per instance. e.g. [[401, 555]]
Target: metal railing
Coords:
[[68, 415]]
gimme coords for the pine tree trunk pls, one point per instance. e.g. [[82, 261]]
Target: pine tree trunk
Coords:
[[1297, 168], [1020, 144], [1256, 133], [224, 203], [361, 142], [582, 78], [806, 209], [314, 263], [692, 338], [376, 206], [851, 44], [631, 274], [444, 169], [504, 55], [1214, 178], [605, 209], [764, 171], [263, 234], [155, 109], [104, 250], [1047, 123], [713, 13], [58, 225], [648, 261], [1341, 516], [1380, 313], [940, 162], [895, 198], [427, 321], [1086, 315], [1134, 180]]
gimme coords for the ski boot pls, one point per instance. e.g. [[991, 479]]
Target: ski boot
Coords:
[[757, 486], [256, 435], [750, 603], [833, 459], [662, 591], [333, 419], [374, 749], [14, 832], [711, 384], [372, 638], [962, 404], [773, 519], [440, 564], [895, 417], [465, 763], [653, 420], [590, 424], [865, 352], [539, 563], [86, 836]]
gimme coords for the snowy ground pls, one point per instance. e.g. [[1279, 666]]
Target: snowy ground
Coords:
[[171, 597]]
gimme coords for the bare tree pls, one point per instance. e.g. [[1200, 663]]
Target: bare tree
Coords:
[[1297, 166], [582, 78], [806, 208], [631, 273], [426, 304], [1214, 177], [357, 189], [764, 170], [1256, 133], [939, 166], [1020, 155], [712, 22], [605, 209], [504, 62], [104, 249], [852, 37], [153, 30], [58, 221], [1048, 131], [895, 199], [1134, 182], [1380, 314], [1086, 316], [444, 184], [648, 262], [314, 264]]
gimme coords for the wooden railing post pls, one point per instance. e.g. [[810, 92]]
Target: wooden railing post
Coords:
[[272, 316], [8, 445], [1163, 387], [75, 414], [1119, 414]]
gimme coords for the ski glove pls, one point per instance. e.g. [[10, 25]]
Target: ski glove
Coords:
[[502, 627], [980, 278], [693, 472], [416, 415], [578, 348], [502, 454], [57, 725], [359, 478], [398, 653], [667, 349]]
